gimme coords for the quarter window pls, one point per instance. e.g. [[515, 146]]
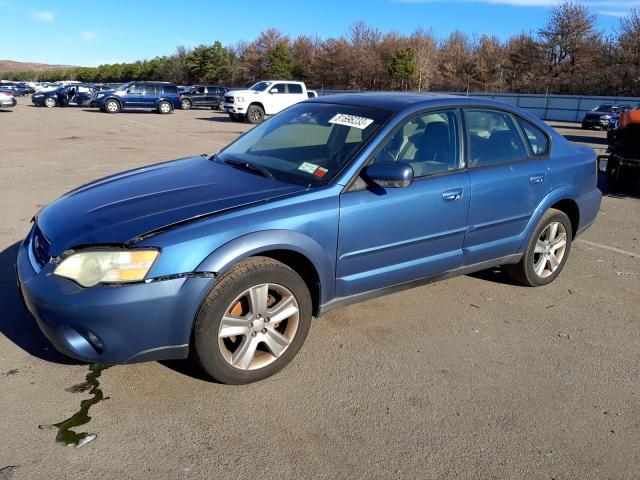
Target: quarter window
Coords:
[[429, 143], [493, 138], [538, 140]]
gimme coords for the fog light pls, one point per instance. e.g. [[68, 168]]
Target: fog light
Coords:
[[95, 342]]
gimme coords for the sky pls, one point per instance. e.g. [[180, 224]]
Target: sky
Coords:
[[89, 33]]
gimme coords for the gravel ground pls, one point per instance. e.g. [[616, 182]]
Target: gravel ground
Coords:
[[473, 377]]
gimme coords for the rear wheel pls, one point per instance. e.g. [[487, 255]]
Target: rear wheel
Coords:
[[164, 107], [253, 322], [547, 251], [186, 104], [50, 102], [220, 104], [255, 114], [112, 106]]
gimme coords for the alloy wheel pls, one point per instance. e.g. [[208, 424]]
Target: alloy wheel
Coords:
[[258, 326], [550, 249]]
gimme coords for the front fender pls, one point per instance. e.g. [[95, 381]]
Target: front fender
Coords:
[[240, 248]]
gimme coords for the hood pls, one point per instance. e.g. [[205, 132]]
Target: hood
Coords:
[[598, 114], [242, 93], [120, 208]]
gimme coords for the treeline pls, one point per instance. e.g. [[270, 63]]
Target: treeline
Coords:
[[568, 55]]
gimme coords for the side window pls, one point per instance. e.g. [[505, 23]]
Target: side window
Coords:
[[135, 88], [429, 143], [168, 89], [281, 87], [493, 138], [150, 89], [538, 140], [200, 90], [295, 88]]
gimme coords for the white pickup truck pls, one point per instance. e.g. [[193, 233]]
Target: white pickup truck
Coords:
[[264, 98]]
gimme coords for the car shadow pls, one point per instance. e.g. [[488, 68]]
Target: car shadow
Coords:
[[223, 119], [603, 186], [3, 110], [188, 368], [142, 111], [18, 325], [495, 275]]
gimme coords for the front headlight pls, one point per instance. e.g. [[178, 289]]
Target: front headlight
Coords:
[[91, 267], [239, 99], [100, 95]]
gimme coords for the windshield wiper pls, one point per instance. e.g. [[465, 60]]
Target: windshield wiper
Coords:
[[250, 167]]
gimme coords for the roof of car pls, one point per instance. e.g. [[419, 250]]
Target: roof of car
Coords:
[[398, 101]]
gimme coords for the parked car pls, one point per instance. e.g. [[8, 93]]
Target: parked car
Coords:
[[76, 94], [614, 122], [10, 89], [264, 98], [312, 94], [204, 96], [337, 199], [162, 97], [7, 100], [600, 116], [18, 89]]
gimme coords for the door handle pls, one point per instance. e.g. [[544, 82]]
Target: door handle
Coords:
[[537, 179], [452, 195]]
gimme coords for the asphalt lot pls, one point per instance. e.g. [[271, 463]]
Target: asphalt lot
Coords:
[[474, 377]]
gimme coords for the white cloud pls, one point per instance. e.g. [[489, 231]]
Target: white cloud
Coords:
[[612, 13], [42, 16], [88, 36]]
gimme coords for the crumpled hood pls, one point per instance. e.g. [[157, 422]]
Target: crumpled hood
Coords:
[[122, 207]]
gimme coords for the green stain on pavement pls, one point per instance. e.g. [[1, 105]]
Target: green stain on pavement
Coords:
[[66, 436]]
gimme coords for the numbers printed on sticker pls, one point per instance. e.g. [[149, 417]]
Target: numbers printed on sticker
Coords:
[[351, 121]]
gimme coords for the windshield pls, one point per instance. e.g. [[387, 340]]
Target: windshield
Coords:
[[123, 87], [261, 86], [309, 143], [603, 108]]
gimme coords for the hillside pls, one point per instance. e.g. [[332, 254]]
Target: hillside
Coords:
[[11, 66]]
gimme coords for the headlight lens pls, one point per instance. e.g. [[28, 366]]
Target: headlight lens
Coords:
[[239, 99], [100, 95], [89, 268]]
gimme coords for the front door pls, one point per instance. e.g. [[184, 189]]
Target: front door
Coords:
[[395, 235]]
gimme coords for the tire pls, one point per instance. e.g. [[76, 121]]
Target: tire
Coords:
[[255, 114], [229, 306], [186, 104], [164, 107], [50, 102], [220, 105], [112, 106], [534, 270]]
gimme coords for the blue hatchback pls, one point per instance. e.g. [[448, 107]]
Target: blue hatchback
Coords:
[[162, 97], [334, 200]]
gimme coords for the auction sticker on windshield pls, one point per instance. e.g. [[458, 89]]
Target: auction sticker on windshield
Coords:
[[308, 167], [351, 121]]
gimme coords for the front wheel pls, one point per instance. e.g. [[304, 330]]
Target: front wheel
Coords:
[[186, 104], [220, 104], [547, 251], [50, 102], [255, 114], [253, 322], [112, 106]]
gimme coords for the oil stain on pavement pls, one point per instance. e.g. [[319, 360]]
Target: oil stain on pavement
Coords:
[[68, 437]]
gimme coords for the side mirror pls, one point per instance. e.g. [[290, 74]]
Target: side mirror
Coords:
[[389, 174], [273, 90]]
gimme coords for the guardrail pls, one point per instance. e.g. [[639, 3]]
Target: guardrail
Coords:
[[567, 108]]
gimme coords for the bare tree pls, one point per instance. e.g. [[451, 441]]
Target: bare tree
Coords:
[[425, 48]]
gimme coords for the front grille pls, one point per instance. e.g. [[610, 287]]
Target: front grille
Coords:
[[228, 99], [40, 246]]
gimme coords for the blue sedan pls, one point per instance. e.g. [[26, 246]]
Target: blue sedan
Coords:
[[337, 199]]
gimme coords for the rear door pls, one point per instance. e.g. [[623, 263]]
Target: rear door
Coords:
[[151, 91], [199, 97], [508, 182]]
